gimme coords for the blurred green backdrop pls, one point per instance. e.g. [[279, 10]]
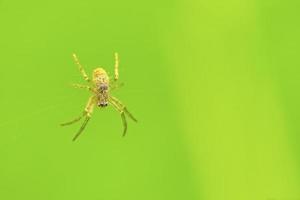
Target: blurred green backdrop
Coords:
[[214, 85]]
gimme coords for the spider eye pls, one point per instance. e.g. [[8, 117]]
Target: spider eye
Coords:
[[103, 104]]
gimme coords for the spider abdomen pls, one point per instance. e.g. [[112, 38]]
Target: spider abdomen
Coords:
[[100, 77]]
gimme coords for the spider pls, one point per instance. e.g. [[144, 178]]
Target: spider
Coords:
[[100, 86]]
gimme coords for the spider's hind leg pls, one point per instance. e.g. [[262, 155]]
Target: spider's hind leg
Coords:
[[82, 71], [116, 67]]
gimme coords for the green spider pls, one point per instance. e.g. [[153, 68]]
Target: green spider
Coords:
[[100, 86]]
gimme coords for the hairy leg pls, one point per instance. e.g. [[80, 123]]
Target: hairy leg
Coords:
[[83, 73], [86, 113], [81, 128], [122, 116], [116, 66], [89, 110], [82, 86], [123, 107], [74, 120], [115, 85]]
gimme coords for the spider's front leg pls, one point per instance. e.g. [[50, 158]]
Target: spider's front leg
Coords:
[[122, 115], [123, 107], [87, 114], [122, 110], [89, 110], [74, 120]]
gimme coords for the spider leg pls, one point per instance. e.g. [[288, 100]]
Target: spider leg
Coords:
[[74, 120], [116, 66], [87, 113], [82, 128], [123, 107], [129, 114], [116, 86], [83, 73], [124, 123], [79, 86], [123, 117], [88, 109]]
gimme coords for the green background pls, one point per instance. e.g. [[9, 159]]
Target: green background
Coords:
[[214, 85]]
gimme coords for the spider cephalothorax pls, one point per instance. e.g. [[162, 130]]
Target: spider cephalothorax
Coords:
[[100, 86], [102, 97]]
